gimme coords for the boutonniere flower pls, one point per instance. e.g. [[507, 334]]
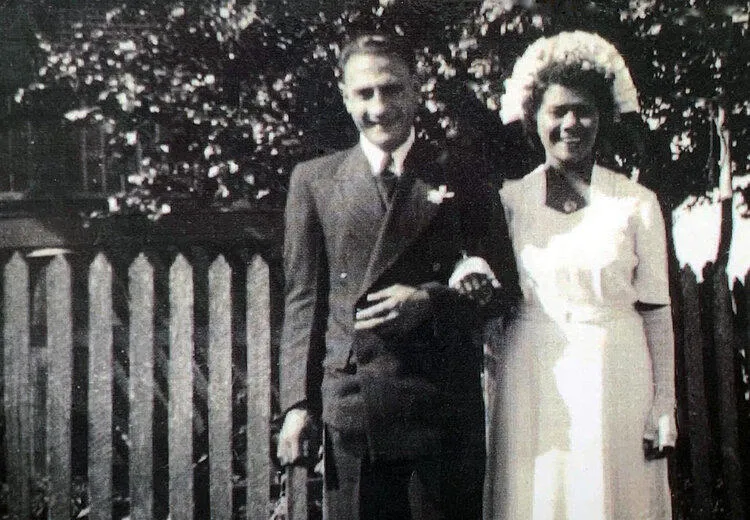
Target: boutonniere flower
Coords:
[[436, 196]]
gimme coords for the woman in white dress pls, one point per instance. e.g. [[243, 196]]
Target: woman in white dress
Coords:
[[585, 378]]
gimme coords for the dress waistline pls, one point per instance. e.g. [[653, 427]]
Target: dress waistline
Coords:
[[576, 313]]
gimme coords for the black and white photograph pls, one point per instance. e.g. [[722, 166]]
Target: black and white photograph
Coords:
[[374, 260]]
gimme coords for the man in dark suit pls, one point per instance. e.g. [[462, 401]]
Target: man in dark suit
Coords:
[[373, 340]]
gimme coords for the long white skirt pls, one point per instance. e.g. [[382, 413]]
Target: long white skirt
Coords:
[[566, 416]]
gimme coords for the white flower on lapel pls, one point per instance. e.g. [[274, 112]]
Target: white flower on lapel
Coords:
[[436, 196]]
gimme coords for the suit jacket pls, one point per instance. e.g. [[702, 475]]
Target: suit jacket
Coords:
[[406, 393]]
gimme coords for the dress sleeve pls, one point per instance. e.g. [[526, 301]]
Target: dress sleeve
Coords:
[[507, 197], [651, 279]]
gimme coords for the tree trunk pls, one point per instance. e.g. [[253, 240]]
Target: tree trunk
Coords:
[[725, 186]]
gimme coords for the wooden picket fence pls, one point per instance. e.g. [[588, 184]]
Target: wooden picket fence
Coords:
[[149, 377], [40, 337], [710, 473]]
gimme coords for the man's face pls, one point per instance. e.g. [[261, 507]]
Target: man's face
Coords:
[[380, 94]]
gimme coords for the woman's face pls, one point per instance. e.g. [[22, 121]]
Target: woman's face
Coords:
[[567, 123]]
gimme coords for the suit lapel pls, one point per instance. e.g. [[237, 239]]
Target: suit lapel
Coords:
[[358, 191], [408, 215]]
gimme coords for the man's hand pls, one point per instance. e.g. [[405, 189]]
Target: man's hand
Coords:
[[474, 278], [293, 436], [397, 309]]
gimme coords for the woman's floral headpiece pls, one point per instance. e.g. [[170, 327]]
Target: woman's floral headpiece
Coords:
[[584, 49]]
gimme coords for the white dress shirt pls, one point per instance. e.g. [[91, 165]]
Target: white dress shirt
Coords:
[[378, 159]]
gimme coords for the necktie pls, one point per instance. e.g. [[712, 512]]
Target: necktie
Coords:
[[388, 177]]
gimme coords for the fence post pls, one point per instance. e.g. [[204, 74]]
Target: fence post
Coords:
[[220, 388], [698, 431], [181, 390], [59, 386], [258, 388], [17, 391], [141, 388], [100, 389], [297, 492], [726, 373]]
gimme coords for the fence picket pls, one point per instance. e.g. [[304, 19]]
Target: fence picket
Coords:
[[100, 389], [17, 389], [141, 390], [181, 390], [258, 388], [297, 492], [220, 388], [59, 386], [698, 431], [726, 374]]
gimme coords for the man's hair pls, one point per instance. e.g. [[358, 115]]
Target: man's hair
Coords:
[[376, 44]]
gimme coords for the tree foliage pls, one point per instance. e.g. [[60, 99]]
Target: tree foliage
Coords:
[[218, 100]]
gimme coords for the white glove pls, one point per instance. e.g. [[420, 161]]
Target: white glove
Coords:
[[660, 425], [472, 265]]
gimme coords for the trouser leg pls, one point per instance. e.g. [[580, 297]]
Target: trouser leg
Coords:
[[359, 489], [384, 490], [342, 463], [458, 480], [462, 482], [444, 488]]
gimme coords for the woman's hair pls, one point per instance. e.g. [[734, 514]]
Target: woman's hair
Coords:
[[589, 82], [577, 59]]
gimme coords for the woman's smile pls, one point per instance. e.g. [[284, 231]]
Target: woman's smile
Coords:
[[567, 124]]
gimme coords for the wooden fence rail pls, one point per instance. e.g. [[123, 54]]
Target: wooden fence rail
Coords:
[[40, 368]]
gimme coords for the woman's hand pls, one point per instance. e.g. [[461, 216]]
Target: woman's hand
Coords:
[[661, 427], [660, 435], [474, 278]]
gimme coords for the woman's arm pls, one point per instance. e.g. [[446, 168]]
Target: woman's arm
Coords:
[[657, 324], [652, 286]]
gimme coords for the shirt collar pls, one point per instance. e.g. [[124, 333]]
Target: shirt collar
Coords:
[[375, 156]]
